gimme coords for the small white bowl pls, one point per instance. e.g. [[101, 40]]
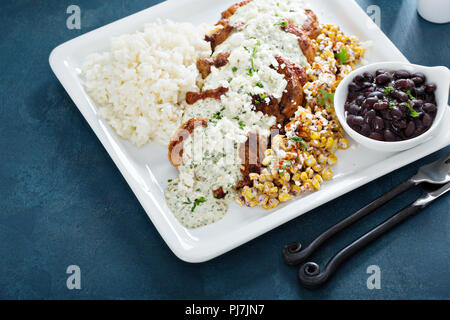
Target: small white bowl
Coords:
[[437, 75]]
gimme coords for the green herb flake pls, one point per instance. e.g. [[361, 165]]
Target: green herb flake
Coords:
[[413, 112], [197, 202], [325, 99], [300, 141], [259, 84], [388, 90], [241, 124], [281, 23], [170, 180], [234, 69], [342, 56], [410, 96]]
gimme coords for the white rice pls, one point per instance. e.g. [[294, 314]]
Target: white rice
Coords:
[[141, 84]]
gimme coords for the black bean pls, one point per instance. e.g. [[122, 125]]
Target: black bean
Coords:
[[404, 84], [402, 74], [350, 118], [366, 84], [378, 124], [376, 136], [400, 124], [419, 91], [427, 120], [382, 78], [430, 88], [359, 79], [429, 107], [389, 136], [417, 81], [396, 113], [353, 87], [368, 76], [359, 100], [416, 103], [377, 94], [380, 71], [371, 114], [419, 75], [400, 95], [382, 105], [410, 128], [354, 109], [358, 120], [370, 101], [365, 129]]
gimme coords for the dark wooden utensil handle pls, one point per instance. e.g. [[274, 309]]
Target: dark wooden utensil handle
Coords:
[[310, 275], [293, 253]]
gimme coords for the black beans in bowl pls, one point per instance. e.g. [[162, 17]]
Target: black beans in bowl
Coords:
[[390, 105]]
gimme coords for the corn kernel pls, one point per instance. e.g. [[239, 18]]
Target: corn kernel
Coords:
[[309, 172], [286, 176], [296, 177], [273, 190], [253, 176], [268, 152], [332, 159], [315, 135], [310, 161], [296, 189], [267, 161], [283, 197], [317, 168], [316, 184], [327, 174], [304, 176], [318, 177], [329, 143], [322, 159], [343, 144], [252, 203]]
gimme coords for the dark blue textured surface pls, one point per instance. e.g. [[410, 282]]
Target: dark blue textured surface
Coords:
[[63, 201]]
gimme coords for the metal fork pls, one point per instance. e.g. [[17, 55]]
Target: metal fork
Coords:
[[437, 172]]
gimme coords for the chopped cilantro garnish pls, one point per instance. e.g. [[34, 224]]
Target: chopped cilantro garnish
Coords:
[[413, 112], [234, 69], [391, 105], [197, 202], [410, 96], [281, 23], [325, 99], [236, 118], [292, 10], [241, 124], [300, 141], [262, 96], [170, 180], [342, 56], [259, 84], [388, 90], [188, 201]]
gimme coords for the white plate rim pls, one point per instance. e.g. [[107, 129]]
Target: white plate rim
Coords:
[[204, 252]]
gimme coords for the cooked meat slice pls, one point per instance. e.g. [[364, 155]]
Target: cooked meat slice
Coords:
[[177, 141], [270, 108], [204, 64], [311, 25], [251, 153], [303, 40], [232, 10], [222, 33], [293, 96], [193, 97]]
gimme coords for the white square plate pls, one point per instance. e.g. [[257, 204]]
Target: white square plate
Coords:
[[147, 169]]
